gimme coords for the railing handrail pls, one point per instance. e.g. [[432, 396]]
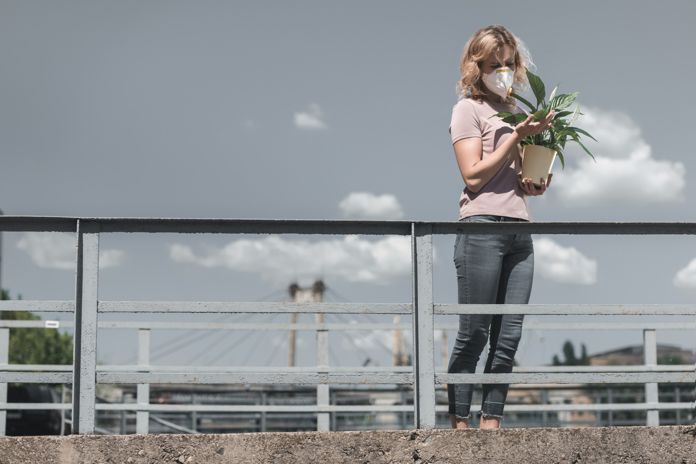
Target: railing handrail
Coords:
[[335, 226]]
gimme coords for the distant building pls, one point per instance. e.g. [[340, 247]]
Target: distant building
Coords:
[[632, 355], [582, 394]]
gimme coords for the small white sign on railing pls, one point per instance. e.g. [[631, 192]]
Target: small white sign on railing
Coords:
[[52, 324]]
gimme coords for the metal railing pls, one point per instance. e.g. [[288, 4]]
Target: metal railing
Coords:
[[84, 375]]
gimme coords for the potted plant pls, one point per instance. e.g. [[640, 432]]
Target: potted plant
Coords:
[[539, 151]]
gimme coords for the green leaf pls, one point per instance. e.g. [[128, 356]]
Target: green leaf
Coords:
[[559, 125], [511, 118], [531, 107], [577, 140], [562, 101], [583, 132], [553, 93], [562, 114], [560, 157], [541, 114], [516, 118], [537, 86]]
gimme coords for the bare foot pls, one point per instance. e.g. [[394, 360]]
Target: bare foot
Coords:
[[489, 423], [458, 423]]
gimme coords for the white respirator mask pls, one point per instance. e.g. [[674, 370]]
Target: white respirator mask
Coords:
[[500, 81]]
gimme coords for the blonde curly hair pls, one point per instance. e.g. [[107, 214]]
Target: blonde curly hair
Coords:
[[487, 41]]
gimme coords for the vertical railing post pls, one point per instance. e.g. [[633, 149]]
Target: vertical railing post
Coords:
[[85, 346], [4, 360], [323, 418], [62, 410], [610, 400], [650, 359], [142, 418], [263, 412], [194, 413], [423, 325]]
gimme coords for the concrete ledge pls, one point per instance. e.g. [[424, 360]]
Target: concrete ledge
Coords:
[[537, 445]]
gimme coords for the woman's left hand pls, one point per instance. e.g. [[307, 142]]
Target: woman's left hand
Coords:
[[530, 188]]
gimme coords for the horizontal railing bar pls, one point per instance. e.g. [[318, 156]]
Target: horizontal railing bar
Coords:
[[251, 307], [567, 309], [34, 406], [38, 324], [309, 408], [585, 407], [331, 369], [59, 306], [254, 370], [601, 407], [569, 377], [344, 408], [312, 226], [568, 228], [35, 377], [637, 368], [250, 326], [338, 327], [307, 378], [37, 224], [35, 368], [180, 325], [606, 326], [252, 226]]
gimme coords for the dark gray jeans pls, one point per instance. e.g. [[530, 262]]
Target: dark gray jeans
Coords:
[[490, 269]]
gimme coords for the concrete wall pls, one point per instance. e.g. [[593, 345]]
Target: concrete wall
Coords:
[[566, 445]]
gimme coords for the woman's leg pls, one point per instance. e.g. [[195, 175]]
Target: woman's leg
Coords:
[[506, 330], [478, 259]]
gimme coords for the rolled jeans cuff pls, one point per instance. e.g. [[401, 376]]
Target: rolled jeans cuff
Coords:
[[460, 411], [492, 409]]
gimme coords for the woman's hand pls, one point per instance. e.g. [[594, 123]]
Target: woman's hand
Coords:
[[529, 127], [530, 188]]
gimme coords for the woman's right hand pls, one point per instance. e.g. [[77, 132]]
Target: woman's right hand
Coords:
[[530, 127]]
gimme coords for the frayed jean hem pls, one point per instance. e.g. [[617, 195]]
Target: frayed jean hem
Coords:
[[491, 409], [461, 413]]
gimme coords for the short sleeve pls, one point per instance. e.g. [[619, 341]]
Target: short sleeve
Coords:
[[465, 121]]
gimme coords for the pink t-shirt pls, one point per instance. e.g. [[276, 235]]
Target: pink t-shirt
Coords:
[[502, 195]]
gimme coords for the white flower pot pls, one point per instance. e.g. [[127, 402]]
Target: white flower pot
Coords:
[[537, 162]]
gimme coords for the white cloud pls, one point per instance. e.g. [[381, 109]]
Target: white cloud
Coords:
[[313, 118], [561, 264], [367, 205], [372, 340], [686, 278], [58, 251], [625, 171], [111, 258], [279, 260]]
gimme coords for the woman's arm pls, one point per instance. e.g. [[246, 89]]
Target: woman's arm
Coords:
[[477, 171]]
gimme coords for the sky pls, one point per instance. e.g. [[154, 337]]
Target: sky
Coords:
[[330, 110]]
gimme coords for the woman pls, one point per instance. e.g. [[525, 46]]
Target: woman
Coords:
[[491, 268]]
